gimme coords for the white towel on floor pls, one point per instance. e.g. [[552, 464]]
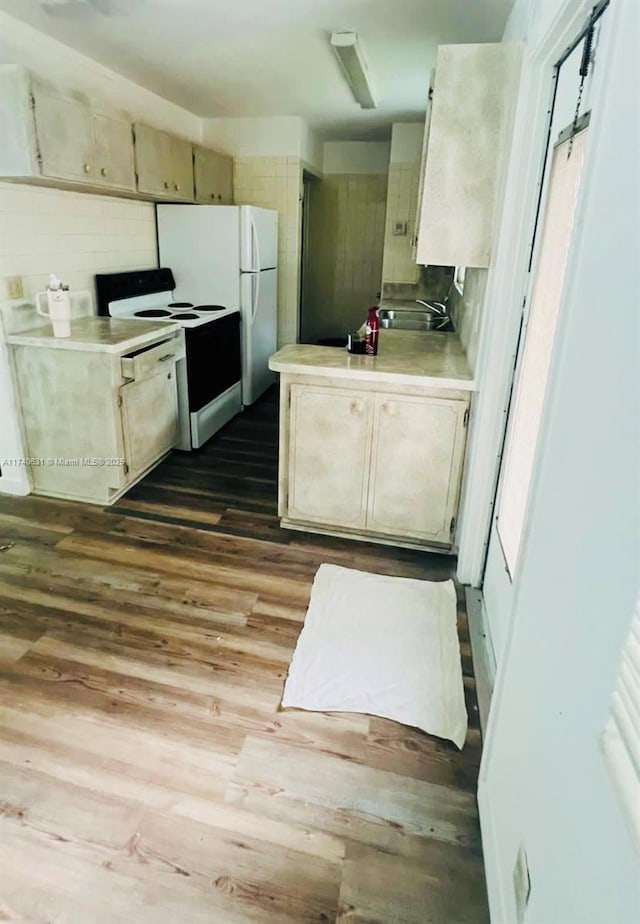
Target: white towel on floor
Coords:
[[384, 646]]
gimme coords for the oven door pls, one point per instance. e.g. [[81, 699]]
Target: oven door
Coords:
[[213, 359]]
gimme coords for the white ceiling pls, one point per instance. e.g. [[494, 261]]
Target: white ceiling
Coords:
[[270, 57]]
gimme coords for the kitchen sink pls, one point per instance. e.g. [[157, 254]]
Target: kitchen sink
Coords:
[[414, 319]]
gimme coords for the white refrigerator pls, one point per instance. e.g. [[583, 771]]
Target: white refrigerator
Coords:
[[227, 255]]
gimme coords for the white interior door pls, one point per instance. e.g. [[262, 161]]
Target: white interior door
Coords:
[[521, 446]]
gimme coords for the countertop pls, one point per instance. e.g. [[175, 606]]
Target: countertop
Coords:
[[97, 335], [404, 358]]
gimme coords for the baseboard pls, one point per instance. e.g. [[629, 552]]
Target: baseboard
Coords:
[[16, 486], [484, 662]]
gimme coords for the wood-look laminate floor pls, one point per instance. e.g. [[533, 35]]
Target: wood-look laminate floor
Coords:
[[146, 772]]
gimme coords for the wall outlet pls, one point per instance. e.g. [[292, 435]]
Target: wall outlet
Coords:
[[13, 287], [521, 883]]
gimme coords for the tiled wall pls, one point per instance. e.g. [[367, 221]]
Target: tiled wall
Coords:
[[345, 253], [466, 310], [275, 183], [75, 235], [402, 198]]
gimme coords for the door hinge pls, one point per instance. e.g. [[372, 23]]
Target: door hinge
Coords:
[[119, 400], [126, 468], [465, 419], [452, 526]]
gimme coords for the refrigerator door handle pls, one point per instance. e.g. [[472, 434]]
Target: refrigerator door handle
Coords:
[[255, 248], [255, 293]]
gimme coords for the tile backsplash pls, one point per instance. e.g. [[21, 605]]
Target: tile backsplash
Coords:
[[72, 234], [466, 310]]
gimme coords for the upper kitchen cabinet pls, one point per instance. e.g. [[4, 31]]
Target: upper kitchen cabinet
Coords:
[[213, 175], [113, 152], [164, 164], [54, 136], [472, 98]]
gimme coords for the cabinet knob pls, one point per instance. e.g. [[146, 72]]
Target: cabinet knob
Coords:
[[104, 171], [219, 195], [166, 184], [389, 408], [357, 407], [213, 195], [176, 186], [86, 168]]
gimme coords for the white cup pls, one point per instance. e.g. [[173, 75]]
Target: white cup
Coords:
[[58, 310]]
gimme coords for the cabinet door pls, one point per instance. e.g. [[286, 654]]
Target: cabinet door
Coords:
[[213, 174], [153, 161], [329, 453], [418, 449], [423, 163], [113, 153], [474, 86], [149, 419], [225, 177], [181, 169], [65, 135]]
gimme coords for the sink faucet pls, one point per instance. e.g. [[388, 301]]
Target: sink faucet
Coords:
[[436, 308]]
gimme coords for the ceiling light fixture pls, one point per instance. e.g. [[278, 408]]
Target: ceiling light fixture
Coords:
[[349, 54]]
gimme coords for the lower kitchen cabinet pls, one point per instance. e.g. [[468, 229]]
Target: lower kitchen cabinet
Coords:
[[94, 422], [416, 463], [372, 462], [149, 419], [329, 451]]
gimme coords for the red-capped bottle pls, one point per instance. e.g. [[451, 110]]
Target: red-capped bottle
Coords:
[[372, 329]]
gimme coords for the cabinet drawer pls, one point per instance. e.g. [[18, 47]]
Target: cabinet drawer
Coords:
[[149, 361]]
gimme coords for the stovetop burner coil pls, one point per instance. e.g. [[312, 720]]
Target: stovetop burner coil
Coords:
[[153, 313]]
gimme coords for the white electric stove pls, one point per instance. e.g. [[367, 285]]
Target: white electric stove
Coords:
[[161, 306], [209, 377]]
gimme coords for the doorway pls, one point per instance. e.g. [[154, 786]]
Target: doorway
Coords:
[[343, 241], [565, 157], [305, 305]]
